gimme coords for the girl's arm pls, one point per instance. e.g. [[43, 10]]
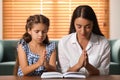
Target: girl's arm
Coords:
[[51, 65], [26, 69]]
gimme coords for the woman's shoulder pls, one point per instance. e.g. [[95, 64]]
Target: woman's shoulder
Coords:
[[100, 38]]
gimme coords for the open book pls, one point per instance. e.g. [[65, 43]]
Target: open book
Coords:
[[64, 75]]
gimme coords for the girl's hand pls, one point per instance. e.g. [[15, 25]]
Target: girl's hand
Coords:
[[42, 58]]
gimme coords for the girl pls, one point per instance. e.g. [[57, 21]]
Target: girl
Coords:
[[35, 53]]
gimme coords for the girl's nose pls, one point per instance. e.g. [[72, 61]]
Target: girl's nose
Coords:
[[40, 33]]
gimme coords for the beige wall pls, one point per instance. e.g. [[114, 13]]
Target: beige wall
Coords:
[[0, 19], [114, 19]]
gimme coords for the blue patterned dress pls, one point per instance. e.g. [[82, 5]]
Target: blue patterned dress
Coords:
[[33, 58]]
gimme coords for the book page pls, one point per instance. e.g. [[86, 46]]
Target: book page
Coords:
[[52, 75], [60, 75], [74, 75]]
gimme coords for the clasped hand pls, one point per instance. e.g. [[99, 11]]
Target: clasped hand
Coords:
[[42, 60], [83, 60]]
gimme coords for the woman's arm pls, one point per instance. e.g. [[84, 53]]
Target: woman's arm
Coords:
[[80, 63], [64, 62], [103, 68], [105, 60], [92, 70]]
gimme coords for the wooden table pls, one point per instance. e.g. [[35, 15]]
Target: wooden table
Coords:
[[109, 77]]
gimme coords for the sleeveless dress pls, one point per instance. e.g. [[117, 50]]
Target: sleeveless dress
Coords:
[[33, 58]]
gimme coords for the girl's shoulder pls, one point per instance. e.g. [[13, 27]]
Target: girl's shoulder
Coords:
[[51, 44], [24, 44], [22, 41]]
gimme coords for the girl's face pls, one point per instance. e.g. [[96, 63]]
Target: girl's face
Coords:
[[38, 32], [83, 27]]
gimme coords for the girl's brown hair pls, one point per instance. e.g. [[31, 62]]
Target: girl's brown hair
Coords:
[[34, 19]]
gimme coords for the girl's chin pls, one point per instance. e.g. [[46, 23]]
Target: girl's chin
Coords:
[[40, 41]]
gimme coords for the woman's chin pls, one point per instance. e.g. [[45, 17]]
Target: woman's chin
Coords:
[[82, 36]]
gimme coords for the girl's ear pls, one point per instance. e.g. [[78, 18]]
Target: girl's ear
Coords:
[[29, 31]]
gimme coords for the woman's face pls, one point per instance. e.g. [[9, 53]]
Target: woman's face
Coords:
[[83, 27], [38, 32]]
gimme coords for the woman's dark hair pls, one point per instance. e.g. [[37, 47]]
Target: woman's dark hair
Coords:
[[35, 19], [86, 12]]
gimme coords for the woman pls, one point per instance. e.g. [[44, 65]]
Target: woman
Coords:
[[35, 53], [85, 49]]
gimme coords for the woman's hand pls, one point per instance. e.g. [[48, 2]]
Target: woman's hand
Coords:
[[83, 59], [90, 68], [81, 63], [86, 62]]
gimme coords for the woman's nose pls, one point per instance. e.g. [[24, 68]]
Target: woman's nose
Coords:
[[83, 30]]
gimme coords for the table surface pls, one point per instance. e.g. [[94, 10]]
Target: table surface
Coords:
[[109, 77]]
